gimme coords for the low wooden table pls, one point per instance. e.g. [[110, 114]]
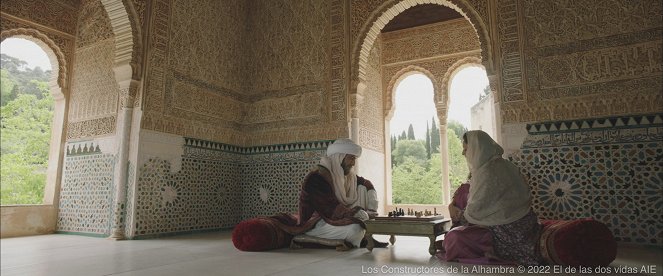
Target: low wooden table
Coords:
[[407, 226]]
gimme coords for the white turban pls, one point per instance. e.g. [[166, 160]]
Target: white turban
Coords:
[[345, 186], [345, 146]]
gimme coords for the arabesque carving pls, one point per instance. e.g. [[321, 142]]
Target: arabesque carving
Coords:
[[370, 113], [94, 91], [560, 22], [60, 16], [377, 18]]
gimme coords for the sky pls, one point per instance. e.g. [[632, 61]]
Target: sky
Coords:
[[26, 50], [414, 100]]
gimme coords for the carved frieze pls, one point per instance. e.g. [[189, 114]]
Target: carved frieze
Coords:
[[560, 22], [429, 41], [511, 59], [91, 128], [602, 65]]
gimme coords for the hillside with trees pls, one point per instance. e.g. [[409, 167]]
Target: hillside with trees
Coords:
[[26, 111], [417, 167]]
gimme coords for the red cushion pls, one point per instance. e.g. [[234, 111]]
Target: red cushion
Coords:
[[259, 234], [580, 242]]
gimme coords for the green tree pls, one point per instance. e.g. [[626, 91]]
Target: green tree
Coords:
[[458, 169], [403, 136], [26, 130], [457, 127], [410, 148], [412, 184], [8, 88], [427, 143], [434, 137], [410, 133]]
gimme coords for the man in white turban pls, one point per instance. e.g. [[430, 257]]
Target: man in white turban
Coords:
[[334, 199]]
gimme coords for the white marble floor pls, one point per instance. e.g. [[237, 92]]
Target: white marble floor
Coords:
[[214, 254]]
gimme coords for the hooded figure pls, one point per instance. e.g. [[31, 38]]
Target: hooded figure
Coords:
[[498, 194]]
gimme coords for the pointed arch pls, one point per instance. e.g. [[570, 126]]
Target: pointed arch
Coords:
[[451, 72], [397, 78], [377, 21], [54, 53]]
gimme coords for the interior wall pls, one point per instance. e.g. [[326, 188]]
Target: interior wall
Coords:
[[195, 82], [578, 78], [188, 185]]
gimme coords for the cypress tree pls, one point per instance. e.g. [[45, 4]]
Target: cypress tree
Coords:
[[410, 133], [434, 138], [427, 141]]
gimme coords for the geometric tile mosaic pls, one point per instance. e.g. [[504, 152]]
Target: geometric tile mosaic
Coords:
[[613, 175], [219, 185], [86, 193]]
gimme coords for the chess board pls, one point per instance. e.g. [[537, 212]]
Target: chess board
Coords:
[[410, 218]]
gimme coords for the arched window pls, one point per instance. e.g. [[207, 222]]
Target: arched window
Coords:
[[415, 157], [32, 112]]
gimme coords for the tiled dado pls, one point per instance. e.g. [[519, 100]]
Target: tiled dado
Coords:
[[610, 169], [87, 190], [219, 185]]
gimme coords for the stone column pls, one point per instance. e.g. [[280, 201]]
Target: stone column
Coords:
[[128, 90]]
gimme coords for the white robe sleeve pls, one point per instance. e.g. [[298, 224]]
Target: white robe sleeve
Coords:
[[367, 199]]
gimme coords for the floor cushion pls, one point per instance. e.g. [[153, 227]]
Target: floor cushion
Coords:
[[578, 242], [259, 234]]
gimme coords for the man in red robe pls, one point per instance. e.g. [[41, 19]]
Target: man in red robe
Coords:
[[335, 198]]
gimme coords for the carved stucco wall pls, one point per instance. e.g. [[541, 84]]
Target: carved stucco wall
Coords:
[[195, 68], [94, 91], [579, 59], [243, 80], [369, 108], [435, 50], [296, 74]]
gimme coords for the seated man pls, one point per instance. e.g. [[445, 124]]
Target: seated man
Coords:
[[337, 200]]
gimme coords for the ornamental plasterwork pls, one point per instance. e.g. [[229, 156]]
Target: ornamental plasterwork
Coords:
[[428, 41], [370, 114], [94, 92], [295, 51], [230, 109], [61, 16], [93, 24], [510, 47], [207, 47], [368, 19], [625, 103], [559, 22], [581, 59]]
